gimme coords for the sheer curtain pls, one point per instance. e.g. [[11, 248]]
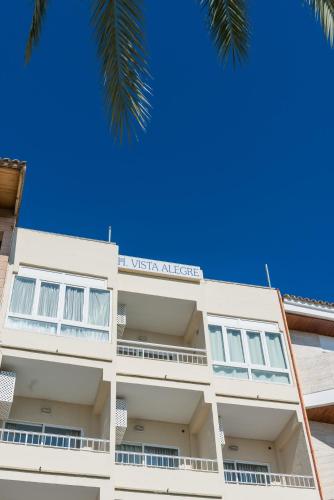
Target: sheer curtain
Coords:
[[74, 298], [235, 346], [84, 333], [99, 307], [22, 295], [266, 376], [216, 341], [231, 371], [48, 300], [275, 350], [255, 348]]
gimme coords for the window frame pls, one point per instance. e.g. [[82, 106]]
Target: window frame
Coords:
[[65, 280], [244, 326]]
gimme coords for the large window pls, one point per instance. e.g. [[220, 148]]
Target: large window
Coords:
[[238, 351], [59, 304], [246, 472], [41, 434], [148, 455]]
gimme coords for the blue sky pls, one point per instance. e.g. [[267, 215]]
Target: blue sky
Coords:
[[235, 169]]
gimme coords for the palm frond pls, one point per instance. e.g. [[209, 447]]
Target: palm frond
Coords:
[[40, 7], [324, 10], [119, 29], [228, 24]]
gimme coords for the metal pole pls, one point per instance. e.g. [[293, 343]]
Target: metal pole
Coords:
[[109, 234], [268, 275]]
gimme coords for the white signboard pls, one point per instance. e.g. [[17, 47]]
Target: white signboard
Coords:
[[171, 269]]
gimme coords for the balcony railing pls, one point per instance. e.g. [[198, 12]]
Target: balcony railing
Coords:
[[145, 350], [166, 461], [268, 479], [54, 441]]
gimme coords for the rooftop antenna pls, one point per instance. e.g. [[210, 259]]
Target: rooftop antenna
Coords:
[[109, 234], [268, 275]]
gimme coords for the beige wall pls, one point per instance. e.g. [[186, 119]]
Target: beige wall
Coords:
[[206, 440], [251, 450], [63, 414], [159, 433], [152, 337], [323, 442]]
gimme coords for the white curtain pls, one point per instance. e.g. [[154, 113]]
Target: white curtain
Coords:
[[235, 346], [22, 295], [275, 350], [255, 348], [29, 324], [266, 376], [74, 299], [48, 300], [216, 341], [231, 372], [99, 307], [84, 333]]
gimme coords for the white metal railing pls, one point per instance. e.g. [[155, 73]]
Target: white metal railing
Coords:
[[268, 479], [166, 461], [145, 350], [54, 441]]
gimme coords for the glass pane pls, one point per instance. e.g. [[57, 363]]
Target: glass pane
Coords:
[[231, 372], [29, 324], [22, 295], [267, 376], [275, 350], [84, 333], [48, 300], [235, 346], [255, 348], [58, 438], [74, 299], [166, 459], [22, 433], [99, 307], [129, 454], [217, 343]]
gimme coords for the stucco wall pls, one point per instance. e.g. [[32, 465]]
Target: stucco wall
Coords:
[[159, 433], [63, 414], [251, 450]]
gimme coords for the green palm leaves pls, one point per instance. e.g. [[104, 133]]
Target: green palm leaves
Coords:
[[324, 10], [229, 27], [119, 29], [36, 25]]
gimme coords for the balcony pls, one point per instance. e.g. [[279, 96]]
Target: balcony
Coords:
[[168, 441], [164, 337], [265, 450], [59, 418]]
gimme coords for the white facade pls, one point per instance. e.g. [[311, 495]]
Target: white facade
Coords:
[[136, 382], [312, 327]]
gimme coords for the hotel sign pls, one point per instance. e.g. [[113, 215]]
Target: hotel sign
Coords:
[[180, 271]]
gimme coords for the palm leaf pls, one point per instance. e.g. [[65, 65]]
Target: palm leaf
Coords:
[[119, 29], [324, 10], [229, 27], [40, 7]]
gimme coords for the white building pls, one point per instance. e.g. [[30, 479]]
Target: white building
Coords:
[[128, 379], [311, 324]]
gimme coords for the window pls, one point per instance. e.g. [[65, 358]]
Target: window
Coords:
[[243, 353], [41, 434], [148, 455], [60, 304], [250, 473]]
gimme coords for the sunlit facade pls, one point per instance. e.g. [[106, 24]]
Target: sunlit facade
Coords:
[[124, 378]]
